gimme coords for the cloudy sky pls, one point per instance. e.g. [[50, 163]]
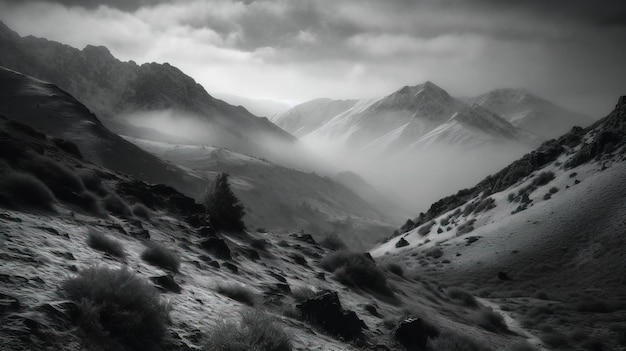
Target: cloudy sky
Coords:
[[570, 51]]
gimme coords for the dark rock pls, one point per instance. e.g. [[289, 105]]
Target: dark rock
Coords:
[[325, 311], [217, 247], [372, 310], [140, 233], [167, 283], [231, 267], [320, 275], [214, 264], [402, 243], [369, 257], [307, 238], [503, 276], [278, 277], [283, 287], [251, 254], [299, 259], [471, 239], [439, 230], [207, 231], [413, 334], [8, 304]]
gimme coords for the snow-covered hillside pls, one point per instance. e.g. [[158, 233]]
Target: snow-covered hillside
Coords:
[[548, 225], [412, 117], [85, 269], [531, 113]]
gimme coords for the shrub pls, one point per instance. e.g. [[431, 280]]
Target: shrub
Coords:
[[333, 242], [466, 227], [425, 228], [223, 207], [302, 293], [543, 178], [61, 180], [490, 320], [117, 304], [93, 182], [98, 241], [21, 189], [445, 221], [434, 252], [255, 331], [140, 210], [356, 270], [160, 256], [395, 269], [449, 341], [485, 204], [462, 296], [237, 292], [88, 202], [115, 205]]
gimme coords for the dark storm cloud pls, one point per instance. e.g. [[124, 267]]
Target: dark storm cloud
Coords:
[[567, 50], [124, 5]]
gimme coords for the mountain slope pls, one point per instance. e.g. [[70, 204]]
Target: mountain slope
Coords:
[[258, 107], [282, 199], [115, 89], [104, 254], [531, 113], [543, 238], [51, 110]]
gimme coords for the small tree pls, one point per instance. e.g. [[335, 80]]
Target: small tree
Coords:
[[222, 205]]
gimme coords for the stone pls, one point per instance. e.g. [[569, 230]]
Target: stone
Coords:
[[325, 311], [167, 283], [402, 243], [217, 247], [413, 334]]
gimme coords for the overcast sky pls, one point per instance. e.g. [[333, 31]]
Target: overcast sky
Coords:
[[572, 52]]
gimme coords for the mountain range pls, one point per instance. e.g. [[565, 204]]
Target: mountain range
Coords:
[[530, 112], [117, 91], [414, 117]]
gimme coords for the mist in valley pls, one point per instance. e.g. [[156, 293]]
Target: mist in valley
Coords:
[[415, 179]]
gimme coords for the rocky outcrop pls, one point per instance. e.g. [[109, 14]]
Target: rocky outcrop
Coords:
[[325, 311]]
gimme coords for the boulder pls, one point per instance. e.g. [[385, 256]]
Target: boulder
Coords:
[[325, 311], [413, 334], [231, 267], [217, 247], [167, 283], [402, 243]]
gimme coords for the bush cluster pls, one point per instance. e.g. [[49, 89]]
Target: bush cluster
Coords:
[[356, 270], [117, 306], [255, 331]]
